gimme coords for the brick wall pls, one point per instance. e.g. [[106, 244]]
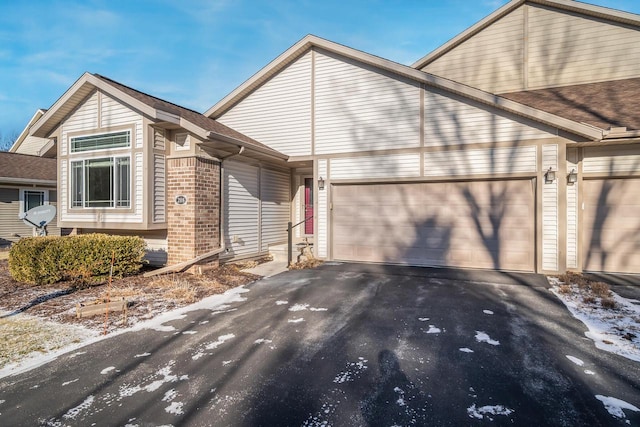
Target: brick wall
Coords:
[[193, 228]]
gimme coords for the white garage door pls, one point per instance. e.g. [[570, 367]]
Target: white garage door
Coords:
[[480, 224], [611, 225]]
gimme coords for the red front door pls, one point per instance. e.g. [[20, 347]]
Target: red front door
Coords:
[[308, 205]]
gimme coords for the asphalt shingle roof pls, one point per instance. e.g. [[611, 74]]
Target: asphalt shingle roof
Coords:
[[22, 166]]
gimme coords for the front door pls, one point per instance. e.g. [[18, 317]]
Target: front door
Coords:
[[308, 206]]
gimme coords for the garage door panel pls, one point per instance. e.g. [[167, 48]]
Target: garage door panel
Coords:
[[611, 225], [448, 223]]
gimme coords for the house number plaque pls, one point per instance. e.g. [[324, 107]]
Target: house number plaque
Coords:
[[181, 200]]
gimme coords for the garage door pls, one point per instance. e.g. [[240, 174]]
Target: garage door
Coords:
[[611, 225], [481, 224]]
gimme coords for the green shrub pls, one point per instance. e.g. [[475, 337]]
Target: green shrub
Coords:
[[44, 260]]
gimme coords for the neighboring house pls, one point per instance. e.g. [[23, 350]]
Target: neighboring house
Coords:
[[25, 182], [27, 144], [448, 163]]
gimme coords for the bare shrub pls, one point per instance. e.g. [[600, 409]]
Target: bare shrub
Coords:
[[564, 289], [608, 303], [303, 265], [589, 299], [600, 289], [182, 291]]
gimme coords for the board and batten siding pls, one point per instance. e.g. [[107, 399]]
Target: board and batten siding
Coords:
[[322, 212], [491, 60], [360, 109], [566, 49], [381, 166], [483, 161], [449, 120], [275, 188], [607, 160], [572, 211], [241, 213], [550, 210], [93, 120], [278, 113]]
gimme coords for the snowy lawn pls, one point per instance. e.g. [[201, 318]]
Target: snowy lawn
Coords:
[[613, 321]]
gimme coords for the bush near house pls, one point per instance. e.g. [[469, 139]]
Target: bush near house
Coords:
[[45, 260]]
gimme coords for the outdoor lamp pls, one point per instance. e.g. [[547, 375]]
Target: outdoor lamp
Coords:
[[550, 176], [572, 178], [321, 183]]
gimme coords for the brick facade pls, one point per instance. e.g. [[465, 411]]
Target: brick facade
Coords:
[[193, 227]]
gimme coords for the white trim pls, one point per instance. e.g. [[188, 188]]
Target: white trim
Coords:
[[73, 153], [79, 209], [34, 189]]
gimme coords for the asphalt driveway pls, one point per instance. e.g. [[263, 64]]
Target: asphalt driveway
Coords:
[[344, 344]]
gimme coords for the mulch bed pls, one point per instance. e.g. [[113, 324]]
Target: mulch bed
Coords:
[[146, 296]]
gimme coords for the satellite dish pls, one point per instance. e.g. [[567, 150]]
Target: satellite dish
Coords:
[[39, 216]]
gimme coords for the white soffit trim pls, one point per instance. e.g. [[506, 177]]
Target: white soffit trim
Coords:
[[439, 82], [569, 5]]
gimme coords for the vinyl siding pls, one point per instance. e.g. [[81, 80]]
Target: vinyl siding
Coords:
[[242, 208], [481, 161], [550, 210], [568, 49], [84, 118], [274, 194], [11, 227], [322, 212], [572, 212], [449, 120], [116, 114], [382, 166], [159, 188], [278, 113], [32, 145], [610, 159], [360, 109], [491, 60], [159, 139]]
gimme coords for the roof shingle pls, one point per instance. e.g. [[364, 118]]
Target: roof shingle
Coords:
[[22, 166]]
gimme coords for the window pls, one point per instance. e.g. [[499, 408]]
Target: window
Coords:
[[101, 142], [101, 183], [32, 199]]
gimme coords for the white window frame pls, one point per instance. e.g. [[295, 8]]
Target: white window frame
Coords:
[[187, 142], [35, 189], [115, 182], [98, 150]]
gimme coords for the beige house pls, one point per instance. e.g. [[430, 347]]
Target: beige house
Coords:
[[494, 151]]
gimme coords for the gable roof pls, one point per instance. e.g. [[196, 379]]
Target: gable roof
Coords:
[[25, 169], [310, 41], [603, 105], [158, 110], [25, 132], [568, 5]]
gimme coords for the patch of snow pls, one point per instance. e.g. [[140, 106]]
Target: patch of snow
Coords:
[[589, 372], [465, 350], [318, 309], [74, 412], [484, 337], [189, 332], [226, 362], [298, 320], [105, 371], [616, 406], [488, 410], [170, 395], [299, 307], [203, 322], [575, 360], [487, 311], [219, 342], [142, 355], [197, 356], [262, 340], [423, 319], [77, 353], [433, 330], [613, 330], [175, 408], [353, 371], [281, 302], [64, 383]]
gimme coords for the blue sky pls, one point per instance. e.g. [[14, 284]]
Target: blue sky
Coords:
[[194, 52]]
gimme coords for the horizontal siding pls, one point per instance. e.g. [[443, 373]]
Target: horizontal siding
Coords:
[[274, 191], [481, 161], [550, 211], [383, 166], [159, 139], [241, 216], [611, 159], [322, 213], [84, 118], [448, 121], [279, 112], [13, 228], [137, 198], [568, 49], [572, 212], [491, 60], [159, 188], [359, 109], [32, 145], [117, 114]]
